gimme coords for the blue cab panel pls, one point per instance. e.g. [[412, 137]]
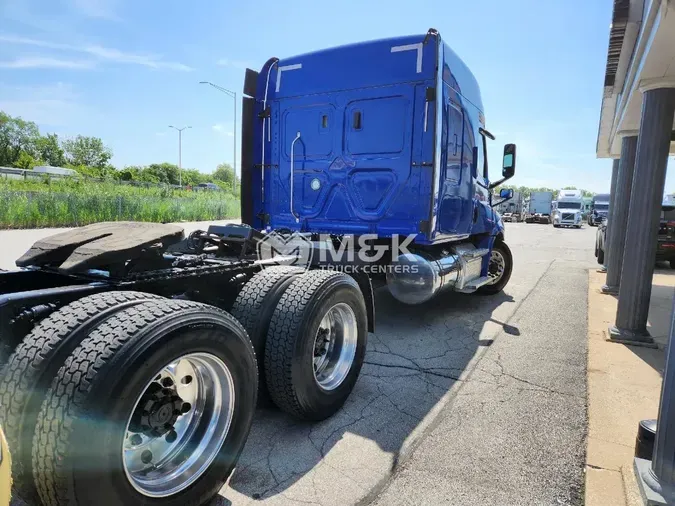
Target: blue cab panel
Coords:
[[377, 137]]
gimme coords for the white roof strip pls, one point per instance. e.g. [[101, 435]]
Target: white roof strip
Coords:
[[281, 69], [411, 47]]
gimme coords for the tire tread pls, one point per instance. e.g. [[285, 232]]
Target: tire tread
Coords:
[[279, 349], [68, 395], [24, 372]]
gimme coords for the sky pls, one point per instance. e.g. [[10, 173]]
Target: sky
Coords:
[[125, 70]]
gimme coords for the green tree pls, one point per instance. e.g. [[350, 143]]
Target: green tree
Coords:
[[129, 173], [26, 161], [48, 149], [193, 177], [16, 136], [166, 173], [87, 151], [224, 173]]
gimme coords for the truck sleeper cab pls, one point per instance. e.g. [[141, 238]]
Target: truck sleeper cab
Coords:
[[384, 137]]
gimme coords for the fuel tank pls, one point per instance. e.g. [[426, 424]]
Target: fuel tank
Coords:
[[417, 277]]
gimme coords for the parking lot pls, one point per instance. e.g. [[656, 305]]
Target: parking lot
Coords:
[[463, 400]]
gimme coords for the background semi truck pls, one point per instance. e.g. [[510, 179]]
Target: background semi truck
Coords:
[[134, 356], [599, 209], [569, 209], [540, 208], [512, 209]]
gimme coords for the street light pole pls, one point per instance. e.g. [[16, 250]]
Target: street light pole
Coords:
[[232, 94], [180, 161]]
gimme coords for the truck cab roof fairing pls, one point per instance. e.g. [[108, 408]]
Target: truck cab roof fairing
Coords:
[[353, 179], [352, 66]]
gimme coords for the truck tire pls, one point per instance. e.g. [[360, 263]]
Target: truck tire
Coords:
[[501, 261], [316, 344], [132, 404], [254, 307], [35, 362]]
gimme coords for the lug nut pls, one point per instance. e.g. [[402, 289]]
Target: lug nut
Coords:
[[171, 436], [167, 382], [146, 457], [136, 439], [185, 407], [186, 380]]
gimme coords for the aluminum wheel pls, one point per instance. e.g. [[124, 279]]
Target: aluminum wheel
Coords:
[[335, 346], [178, 425], [496, 267]]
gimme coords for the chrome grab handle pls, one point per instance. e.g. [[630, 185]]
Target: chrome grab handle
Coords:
[[264, 107], [297, 136], [426, 114]]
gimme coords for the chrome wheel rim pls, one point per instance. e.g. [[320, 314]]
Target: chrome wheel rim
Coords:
[[496, 266], [178, 425], [335, 346]]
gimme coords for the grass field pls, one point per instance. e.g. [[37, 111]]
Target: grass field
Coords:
[[31, 204]]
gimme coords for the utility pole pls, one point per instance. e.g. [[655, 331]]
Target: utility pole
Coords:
[[232, 94], [180, 162]]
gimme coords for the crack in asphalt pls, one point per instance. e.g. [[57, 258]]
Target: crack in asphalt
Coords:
[[417, 369]]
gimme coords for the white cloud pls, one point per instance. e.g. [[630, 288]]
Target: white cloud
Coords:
[[100, 52], [44, 63], [117, 56], [25, 41], [237, 64]]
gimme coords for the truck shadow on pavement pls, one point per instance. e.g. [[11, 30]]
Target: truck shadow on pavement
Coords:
[[415, 356]]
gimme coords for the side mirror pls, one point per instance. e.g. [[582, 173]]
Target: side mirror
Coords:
[[509, 161], [505, 194]]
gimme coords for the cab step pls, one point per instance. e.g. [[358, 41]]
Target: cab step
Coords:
[[474, 285]]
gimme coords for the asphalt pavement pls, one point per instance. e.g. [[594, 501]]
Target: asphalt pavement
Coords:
[[463, 400]]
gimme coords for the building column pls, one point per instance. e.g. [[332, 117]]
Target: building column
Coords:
[[616, 236], [612, 192], [656, 125], [656, 478]]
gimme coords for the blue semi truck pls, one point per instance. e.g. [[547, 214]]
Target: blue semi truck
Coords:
[[138, 355], [336, 144]]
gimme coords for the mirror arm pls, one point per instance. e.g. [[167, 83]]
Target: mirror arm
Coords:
[[487, 134], [497, 183], [494, 204]]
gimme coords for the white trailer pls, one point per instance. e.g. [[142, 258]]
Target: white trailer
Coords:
[[539, 210]]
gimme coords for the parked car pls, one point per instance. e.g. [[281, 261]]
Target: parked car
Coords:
[[665, 249], [508, 217], [207, 186]]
